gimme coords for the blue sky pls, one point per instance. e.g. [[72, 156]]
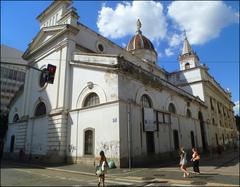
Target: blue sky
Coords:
[[212, 29]]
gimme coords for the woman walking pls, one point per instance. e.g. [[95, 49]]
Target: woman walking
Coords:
[[195, 159], [102, 168], [183, 162]]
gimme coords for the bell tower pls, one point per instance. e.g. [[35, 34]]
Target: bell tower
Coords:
[[188, 59], [58, 13]]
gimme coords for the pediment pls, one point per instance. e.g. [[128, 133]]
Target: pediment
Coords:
[[45, 35]]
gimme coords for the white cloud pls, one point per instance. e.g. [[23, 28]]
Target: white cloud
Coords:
[[169, 52], [175, 40], [160, 55], [236, 108], [121, 21], [202, 20]]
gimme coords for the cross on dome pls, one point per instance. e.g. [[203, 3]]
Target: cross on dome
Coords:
[[139, 25]]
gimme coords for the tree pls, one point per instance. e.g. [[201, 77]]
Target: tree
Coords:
[[3, 130], [237, 117], [3, 125]]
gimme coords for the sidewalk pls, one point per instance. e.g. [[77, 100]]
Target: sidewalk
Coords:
[[214, 162]]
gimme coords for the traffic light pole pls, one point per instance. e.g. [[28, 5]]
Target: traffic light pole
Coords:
[[17, 64], [48, 72]]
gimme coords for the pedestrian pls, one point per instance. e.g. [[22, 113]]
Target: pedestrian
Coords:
[[101, 169], [195, 159], [183, 162]]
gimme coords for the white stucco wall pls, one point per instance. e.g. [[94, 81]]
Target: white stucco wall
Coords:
[[16, 108], [160, 100], [37, 136], [105, 84], [104, 122], [12, 131]]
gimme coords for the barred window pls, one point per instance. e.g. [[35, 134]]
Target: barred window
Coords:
[[40, 109], [211, 102], [146, 101], [88, 142], [91, 100], [171, 108], [189, 114]]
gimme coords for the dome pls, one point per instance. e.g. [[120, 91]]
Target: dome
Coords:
[[139, 41], [142, 46]]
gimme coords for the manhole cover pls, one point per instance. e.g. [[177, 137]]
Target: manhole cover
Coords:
[[198, 183], [148, 178]]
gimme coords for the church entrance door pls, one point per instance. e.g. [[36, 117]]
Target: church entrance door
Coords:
[[150, 142]]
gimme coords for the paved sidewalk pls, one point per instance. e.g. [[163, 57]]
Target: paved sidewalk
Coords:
[[207, 164]]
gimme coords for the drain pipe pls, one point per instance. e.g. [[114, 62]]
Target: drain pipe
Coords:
[[129, 135], [77, 139]]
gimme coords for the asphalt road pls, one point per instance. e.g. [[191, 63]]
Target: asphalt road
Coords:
[[14, 174]]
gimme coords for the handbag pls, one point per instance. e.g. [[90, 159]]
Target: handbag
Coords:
[[99, 171]]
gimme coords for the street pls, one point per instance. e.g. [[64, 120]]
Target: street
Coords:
[[19, 174]]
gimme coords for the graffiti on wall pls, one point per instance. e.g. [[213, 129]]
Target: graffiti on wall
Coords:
[[71, 148], [111, 148]]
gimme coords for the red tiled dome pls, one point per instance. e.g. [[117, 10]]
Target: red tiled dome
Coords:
[[139, 41]]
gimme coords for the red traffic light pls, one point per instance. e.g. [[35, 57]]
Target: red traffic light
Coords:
[[51, 69]]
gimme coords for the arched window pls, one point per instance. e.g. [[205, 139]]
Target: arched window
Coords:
[[189, 114], [40, 109], [187, 66], [15, 118], [91, 100], [146, 101], [213, 121], [171, 108]]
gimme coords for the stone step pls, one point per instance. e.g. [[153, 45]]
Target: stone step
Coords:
[[86, 160]]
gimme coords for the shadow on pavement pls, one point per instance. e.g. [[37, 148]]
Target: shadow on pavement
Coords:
[[226, 159], [28, 164], [217, 161]]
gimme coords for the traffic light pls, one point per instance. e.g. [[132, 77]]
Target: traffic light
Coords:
[[51, 69]]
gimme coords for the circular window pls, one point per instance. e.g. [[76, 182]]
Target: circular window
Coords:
[[100, 47], [42, 79]]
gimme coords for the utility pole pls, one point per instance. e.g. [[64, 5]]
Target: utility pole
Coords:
[[129, 134]]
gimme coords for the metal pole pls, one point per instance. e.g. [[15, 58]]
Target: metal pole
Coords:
[[129, 141]]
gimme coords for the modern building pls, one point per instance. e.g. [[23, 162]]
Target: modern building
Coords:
[[105, 97], [12, 76]]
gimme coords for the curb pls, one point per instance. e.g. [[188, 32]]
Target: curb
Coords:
[[92, 174]]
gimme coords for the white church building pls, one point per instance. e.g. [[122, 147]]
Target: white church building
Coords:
[[105, 97]]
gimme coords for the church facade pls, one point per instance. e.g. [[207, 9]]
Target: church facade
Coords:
[[108, 98]]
